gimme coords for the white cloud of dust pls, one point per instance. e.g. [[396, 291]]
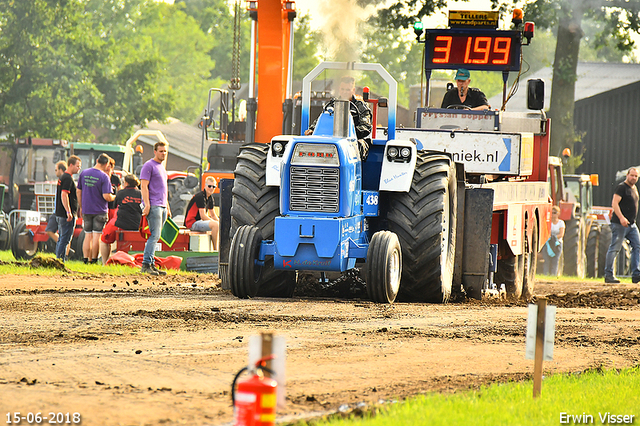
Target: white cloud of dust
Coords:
[[341, 20]]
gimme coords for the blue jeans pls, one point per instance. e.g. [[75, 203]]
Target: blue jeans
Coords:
[[618, 234], [65, 229], [550, 266], [157, 217]]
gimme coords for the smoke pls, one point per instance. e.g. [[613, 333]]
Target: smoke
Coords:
[[342, 21]]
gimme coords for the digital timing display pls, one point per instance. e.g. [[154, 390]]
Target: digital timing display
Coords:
[[474, 50]]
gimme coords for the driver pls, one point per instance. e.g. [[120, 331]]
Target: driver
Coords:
[[463, 95], [359, 111]]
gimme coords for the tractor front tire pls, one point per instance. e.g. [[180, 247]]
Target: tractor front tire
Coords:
[[592, 252], [603, 248], [244, 272], [623, 261], [255, 203], [424, 219], [22, 245], [573, 248], [76, 245], [5, 233], [383, 267]]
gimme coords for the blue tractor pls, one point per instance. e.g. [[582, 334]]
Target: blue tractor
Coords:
[[308, 203]]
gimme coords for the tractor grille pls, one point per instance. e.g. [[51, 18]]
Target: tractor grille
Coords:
[[315, 189]]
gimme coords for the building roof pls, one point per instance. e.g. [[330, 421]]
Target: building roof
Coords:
[[593, 78], [184, 139]]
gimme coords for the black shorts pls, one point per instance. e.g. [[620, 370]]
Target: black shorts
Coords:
[[52, 225], [94, 223]]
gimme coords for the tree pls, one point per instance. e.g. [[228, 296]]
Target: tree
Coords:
[[177, 38], [616, 20], [400, 58], [216, 20], [305, 47], [60, 77], [164, 34]]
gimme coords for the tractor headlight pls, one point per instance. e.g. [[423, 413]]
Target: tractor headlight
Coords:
[[277, 148], [315, 154], [398, 154]]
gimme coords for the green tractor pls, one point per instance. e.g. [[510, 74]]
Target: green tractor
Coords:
[[588, 235]]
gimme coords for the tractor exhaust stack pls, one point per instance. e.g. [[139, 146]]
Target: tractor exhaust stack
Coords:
[[341, 119]]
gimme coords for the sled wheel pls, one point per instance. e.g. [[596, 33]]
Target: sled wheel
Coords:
[[530, 263]]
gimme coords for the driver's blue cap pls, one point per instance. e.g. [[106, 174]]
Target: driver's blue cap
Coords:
[[463, 74]]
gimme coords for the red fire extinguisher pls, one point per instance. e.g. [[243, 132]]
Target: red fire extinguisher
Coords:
[[254, 401]]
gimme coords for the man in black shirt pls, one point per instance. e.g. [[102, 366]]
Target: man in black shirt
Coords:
[[52, 224], [201, 217], [128, 215], [463, 95], [623, 226], [66, 206]]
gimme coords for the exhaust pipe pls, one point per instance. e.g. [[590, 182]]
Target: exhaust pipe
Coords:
[[341, 118]]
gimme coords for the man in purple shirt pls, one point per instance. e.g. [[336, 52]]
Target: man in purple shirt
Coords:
[[153, 185], [94, 194]]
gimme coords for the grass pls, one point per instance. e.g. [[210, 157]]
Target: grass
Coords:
[[593, 392], [23, 268]]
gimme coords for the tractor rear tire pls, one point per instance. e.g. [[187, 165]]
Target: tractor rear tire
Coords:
[[244, 272], [530, 263], [383, 267], [23, 247], [5, 233], [424, 219], [591, 252], [255, 203], [573, 248], [623, 261]]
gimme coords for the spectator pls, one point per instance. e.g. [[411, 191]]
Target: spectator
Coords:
[[553, 247], [153, 183], [94, 194], [201, 216], [116, 185], [66, 206], [52, 224], [128, 215], [623, 226]]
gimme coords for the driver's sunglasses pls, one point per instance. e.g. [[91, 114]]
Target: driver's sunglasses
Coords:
[[211, 186]]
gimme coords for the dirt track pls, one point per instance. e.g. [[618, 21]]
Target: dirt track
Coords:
[[142, 351]]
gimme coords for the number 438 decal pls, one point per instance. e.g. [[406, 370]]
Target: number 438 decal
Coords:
[[372, 200]]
